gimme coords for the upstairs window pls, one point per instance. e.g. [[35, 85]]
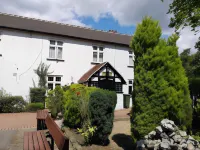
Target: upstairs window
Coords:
[[98, 54], [130, 58], [55, 49], [53, 81]]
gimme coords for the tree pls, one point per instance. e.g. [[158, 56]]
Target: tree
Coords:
[[185, 13], [42, 72], [160, 84]]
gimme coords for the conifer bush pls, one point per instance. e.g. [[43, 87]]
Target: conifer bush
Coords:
[[101, 115], [160, 84]]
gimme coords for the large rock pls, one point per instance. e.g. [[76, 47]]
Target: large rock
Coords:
[[190, 147], [177, 138], [159, 129], [171, 134], [164, 145], [152, 134], [164, 135], [182, 133]]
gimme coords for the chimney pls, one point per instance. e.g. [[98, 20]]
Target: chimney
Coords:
[[112, 31]]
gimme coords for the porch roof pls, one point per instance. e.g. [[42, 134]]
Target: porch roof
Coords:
[[95, 69]]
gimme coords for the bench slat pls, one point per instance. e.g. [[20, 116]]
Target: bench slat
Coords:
[[30, 139], [26, 141], [35, 141], [40, 141], [45, 143]]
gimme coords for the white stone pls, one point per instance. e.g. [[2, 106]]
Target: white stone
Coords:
[[190, 147], [164, 145], [159, 129], [182, 133], [151, 134], [177, 138]]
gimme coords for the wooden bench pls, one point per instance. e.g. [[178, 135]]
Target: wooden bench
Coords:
[[41, 116], [38, 141]]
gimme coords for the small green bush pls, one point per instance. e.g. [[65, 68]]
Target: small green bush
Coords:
[[33, 107], [12, 104], [72, 117], [101, 115], [112, 95], [54, 101], [37, 95]]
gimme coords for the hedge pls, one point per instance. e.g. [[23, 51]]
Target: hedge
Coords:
[[12, 104], [37, 95], [33, 107]]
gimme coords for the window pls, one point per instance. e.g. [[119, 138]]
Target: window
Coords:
[[118, 87], [53, 81], [55, 49], [130, 58], [94, 83], [130, 87], [97, 54]]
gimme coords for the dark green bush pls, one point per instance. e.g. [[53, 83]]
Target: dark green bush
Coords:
[[33, 107], [12, 104], [101, 115], [37, 95], [112, 95]]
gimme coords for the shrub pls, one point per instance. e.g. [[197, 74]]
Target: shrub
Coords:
[[112, 95], [12, 104], [33, 107], [160, 83], [72, 117], [54, 100], [75, 105], [101, 115], [37, 95]]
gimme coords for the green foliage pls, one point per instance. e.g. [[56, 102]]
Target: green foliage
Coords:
[[42, 72], [37, 95], [185, 13], [112, 96], [33, 107], [88, 133], [75, 105], [160, 84], [101, 115], [54, 100], [12, 104]]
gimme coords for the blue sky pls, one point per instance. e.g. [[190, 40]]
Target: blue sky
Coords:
[[109, 23]]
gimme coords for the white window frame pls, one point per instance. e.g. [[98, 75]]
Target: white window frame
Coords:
[[98, 51], [56, 46], [54, 82], [130, 85], [130, 54]]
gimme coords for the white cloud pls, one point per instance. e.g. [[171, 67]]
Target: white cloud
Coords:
[[126, 12]]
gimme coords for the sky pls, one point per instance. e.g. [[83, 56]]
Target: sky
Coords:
[[120, 15]]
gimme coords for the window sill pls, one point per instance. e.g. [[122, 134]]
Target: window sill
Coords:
[[119, 92], [54, 59], [130, 66], [95, 63]]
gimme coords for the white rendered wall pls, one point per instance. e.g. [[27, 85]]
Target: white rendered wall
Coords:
[[22, 52]]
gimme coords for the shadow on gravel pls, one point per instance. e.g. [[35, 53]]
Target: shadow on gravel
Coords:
[[124, 141]]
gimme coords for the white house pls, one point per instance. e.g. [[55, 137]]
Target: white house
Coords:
[[75, 54]]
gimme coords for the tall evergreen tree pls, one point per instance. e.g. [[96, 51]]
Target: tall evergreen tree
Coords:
[[160, 84]]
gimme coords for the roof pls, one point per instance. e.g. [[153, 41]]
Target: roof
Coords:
[[42, 26], [96, 68]]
